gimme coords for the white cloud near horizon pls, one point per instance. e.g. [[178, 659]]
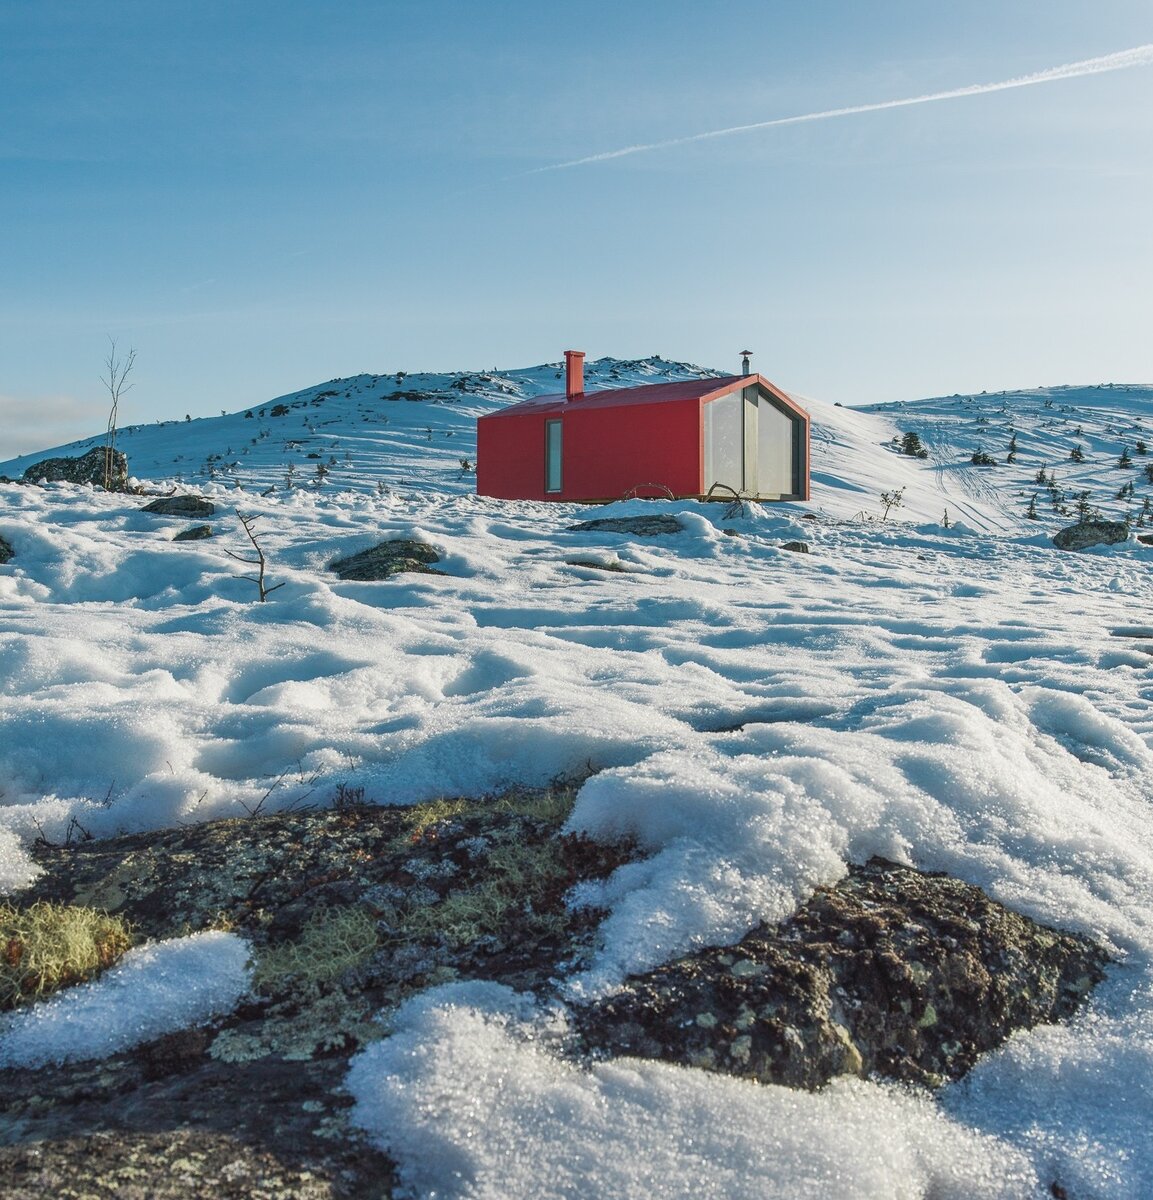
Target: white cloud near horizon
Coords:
[[31, 424], [1121, 60]]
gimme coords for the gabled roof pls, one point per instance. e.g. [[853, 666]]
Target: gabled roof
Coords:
[[649, 393]]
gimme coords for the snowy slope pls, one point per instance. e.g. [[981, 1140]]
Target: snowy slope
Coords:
[[414, 433], [959, 696], [366, 432]]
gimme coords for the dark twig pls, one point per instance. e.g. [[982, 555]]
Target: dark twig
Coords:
[[258, 562]]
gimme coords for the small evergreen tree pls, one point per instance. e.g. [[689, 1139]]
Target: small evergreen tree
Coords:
[[1012, 458], [911, 445], [1140, 446], [1124, 460], [1031, 511], [891, 500], [1077, 454]]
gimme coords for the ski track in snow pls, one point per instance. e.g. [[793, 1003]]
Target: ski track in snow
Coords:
[[961, 697]]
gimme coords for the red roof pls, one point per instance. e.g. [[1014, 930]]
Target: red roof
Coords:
[[649, 393]]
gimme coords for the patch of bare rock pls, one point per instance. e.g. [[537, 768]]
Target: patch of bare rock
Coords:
[[893, 973], [180, 506], [387, 559], [353, 908], [654, 526], [1085, 534], [97, 467]]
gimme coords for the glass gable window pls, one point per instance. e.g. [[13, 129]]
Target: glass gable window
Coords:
[[725, 442], [552, 456], [776, 442]]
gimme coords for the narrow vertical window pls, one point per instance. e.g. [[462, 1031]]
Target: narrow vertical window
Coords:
[[552, 456]]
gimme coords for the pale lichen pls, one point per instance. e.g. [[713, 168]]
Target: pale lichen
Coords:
[[49, 946], [311, 1022], [332, 941]]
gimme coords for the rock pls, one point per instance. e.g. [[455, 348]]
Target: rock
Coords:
[[893, 972], [1146, 539], [796, 547], [1091, 533], [592, 564], [88, 468], [653, 526], [388, 559], [255, 1105], [6, 551], [178, 1164], [194, 533], [181, 506]]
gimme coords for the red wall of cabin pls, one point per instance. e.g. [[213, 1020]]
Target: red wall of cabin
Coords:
[[606, 451]]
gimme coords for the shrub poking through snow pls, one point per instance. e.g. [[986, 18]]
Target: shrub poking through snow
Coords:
[[891, 500], [51, 946]]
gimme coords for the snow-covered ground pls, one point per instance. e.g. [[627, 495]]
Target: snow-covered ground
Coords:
[[942, 687]]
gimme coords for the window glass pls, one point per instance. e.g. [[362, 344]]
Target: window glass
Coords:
[[776, 439], [725, 442], [552, 456]]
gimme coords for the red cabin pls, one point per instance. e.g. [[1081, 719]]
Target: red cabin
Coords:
[[738, 434]]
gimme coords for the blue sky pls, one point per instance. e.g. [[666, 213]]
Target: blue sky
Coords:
[[259, 195]]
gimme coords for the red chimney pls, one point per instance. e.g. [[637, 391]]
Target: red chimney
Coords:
[[574, 367]]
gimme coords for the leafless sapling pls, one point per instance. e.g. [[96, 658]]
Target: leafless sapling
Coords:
[[116, 381], [258, 562]]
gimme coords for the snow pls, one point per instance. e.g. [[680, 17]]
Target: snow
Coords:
[[531, 1124], [155, 989], [942, 687]]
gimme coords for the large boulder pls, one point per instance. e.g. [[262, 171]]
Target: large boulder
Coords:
[[1091, 533], [388, 559], [181, 506], [893, 972], [88, 468], [6, 551]]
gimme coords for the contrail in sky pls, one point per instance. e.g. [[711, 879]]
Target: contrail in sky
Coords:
[[1122, 60]]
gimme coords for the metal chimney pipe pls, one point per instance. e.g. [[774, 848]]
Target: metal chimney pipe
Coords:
[[745, 355], [574, 367]]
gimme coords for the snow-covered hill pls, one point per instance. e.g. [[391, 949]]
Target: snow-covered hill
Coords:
[[367, 432], [416, 434], [958, 695]]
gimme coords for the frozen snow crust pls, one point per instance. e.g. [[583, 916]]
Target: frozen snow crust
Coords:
[[535, 1125], [155, 989], [963, 698]]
